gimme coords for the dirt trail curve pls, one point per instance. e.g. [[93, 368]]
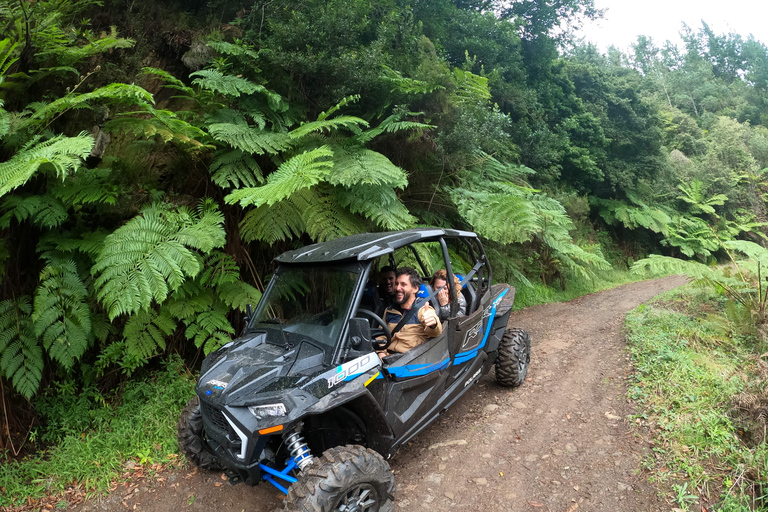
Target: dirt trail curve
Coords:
[[558, 443]]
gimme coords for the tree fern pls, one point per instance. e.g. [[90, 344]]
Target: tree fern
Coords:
[[405, 85], [61, 317], [62, 154], [470, 88], [69, 55], [127, 94], [43, 211], [150, 256], [301, 172], [326, 125], [170, 81], [144, 336], [323, 217], [238, 295], [278, 222], [379, 204], [354, 165], [249, 139], [87, 186], [163, 125], [234, 168], [229, 85], [505, 218], [21, 357], [210, 330], [633, 216]]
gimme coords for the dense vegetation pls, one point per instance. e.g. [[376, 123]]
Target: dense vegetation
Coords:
[[155, 156]]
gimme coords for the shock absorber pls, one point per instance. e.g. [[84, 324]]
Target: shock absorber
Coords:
[[299, 450]]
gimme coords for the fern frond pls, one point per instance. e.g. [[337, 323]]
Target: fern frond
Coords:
[[393, 124], [324, 219], [21, 357], [148, 257], [144, 335], [61, 316], [210, 330], [379, 204], [63, 154], [505, 218], [164, 125], [667, 265], [470, 88], [171, 81], [354, 165], [326, 125], [43, 211], [278, 222], [238, 295], [302, 171], [229, 85], [249, 139], [91, 186], [112, 94], [69, 55], [234, 168], [89, 243], [405, 85], [220, 268], [235, 50]]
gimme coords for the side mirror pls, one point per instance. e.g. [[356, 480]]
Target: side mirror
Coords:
[[360, 335]]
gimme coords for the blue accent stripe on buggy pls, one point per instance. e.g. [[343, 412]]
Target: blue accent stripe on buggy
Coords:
[[463, 357], [414, 370]]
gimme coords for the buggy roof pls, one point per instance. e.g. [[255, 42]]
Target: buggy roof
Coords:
[[367, 246]]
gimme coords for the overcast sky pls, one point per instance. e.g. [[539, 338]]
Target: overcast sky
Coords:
[[662, 19]]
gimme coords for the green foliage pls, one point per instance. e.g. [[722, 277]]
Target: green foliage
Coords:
[[61, 316], [59, 154], [21, 357], [93, 435], [742, 281], [692, 366], [152, 255]]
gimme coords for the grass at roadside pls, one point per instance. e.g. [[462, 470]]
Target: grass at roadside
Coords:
[[539, 293], [699, 385], [139, 427]]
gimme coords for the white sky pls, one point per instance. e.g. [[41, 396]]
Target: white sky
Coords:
[[624, 20]]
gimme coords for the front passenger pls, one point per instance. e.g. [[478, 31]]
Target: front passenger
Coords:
[[422, 324]]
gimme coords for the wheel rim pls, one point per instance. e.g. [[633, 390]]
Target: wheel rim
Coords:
[[361, 498]]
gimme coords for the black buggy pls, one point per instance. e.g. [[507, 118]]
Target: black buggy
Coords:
[[301, 400]]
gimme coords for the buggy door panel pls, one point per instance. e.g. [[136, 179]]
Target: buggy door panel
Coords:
[[416, 381]]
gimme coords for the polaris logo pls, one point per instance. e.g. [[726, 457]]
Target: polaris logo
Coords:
[[476, 375]]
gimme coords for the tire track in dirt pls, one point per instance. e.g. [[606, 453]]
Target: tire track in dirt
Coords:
[[559, 443]]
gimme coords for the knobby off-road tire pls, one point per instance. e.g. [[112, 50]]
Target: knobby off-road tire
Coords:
[[189, 432], [346, 478], [514, 358]]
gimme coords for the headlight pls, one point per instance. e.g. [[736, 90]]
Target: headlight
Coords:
[[268, 411]]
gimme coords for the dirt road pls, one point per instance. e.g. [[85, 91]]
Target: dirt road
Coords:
[[559, 443]]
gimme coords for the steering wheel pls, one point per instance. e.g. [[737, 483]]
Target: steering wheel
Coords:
[[381, 330]]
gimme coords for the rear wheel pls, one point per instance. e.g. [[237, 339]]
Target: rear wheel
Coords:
[[514, 358], [189, 432], [345, 479]]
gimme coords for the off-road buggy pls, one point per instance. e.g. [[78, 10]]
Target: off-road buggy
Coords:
[[301, 400]]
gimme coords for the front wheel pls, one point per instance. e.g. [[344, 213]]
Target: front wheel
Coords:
[[345, 479], [189, 433], [514, 358]]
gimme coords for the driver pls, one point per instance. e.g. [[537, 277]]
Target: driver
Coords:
[[421, 325]]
